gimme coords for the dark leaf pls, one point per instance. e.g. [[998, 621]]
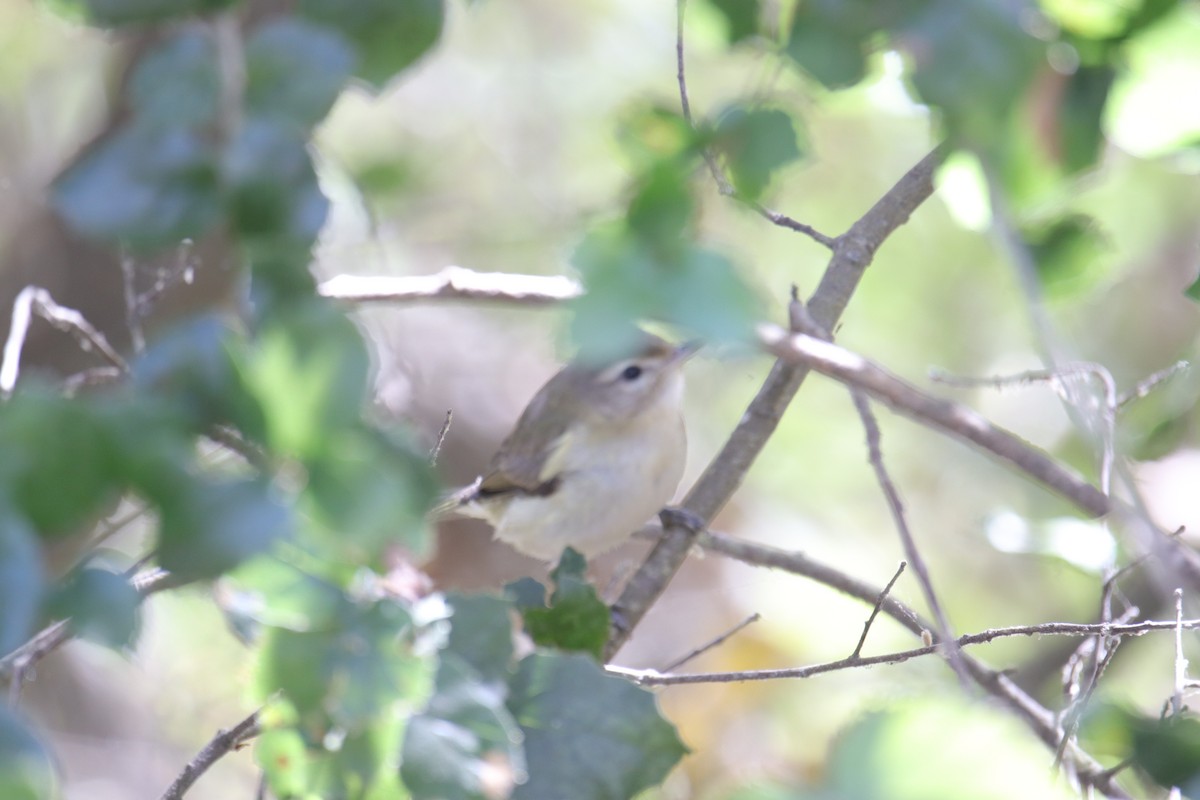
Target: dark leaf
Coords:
[[587, 734], [122, 12], [147, 185], [741, 18], [210, 526], [21, 580], [756, 143], [389, 34], [1068, 253], [829, 39], [295, 70], [103, 606], [1168, 750], [662, 207], [481, 634], [576, 619], [1080, 128], [178, 84]]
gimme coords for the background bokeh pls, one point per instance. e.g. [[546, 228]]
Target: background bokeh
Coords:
[[497, 152]]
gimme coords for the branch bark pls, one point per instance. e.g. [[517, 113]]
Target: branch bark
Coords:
[[852, 254]]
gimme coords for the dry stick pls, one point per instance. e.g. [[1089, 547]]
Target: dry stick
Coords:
[[704, 648], [35, 300], [1041, 721], [224, 742], [875, 455], [874, 611], [650, 677], [1149, 384], [441, 438], [958, 420], [853, 252], [453, 283], [1181, 663]]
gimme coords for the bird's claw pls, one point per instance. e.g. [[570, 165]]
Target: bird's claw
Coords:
[[676, 517]]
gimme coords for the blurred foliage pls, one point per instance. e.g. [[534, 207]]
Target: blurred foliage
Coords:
[[370, 692]]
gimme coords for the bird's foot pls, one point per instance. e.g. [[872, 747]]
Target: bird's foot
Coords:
[[678, 517]]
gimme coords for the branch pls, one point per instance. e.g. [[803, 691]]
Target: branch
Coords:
[[34, 300], [651, 677], [717, 642], [1040, 720], [957, 420], [853, 252], [453, 283], [221, 744], [874, 612]]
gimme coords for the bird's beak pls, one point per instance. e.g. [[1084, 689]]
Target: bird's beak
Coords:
[[685, 351]]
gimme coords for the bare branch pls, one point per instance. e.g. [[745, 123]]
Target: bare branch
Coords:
[[453, 283], [1146, 386], [853, 253], [875, 455], [704, 648], [957, 420], [441, 439], [226, 741], [874, 612], [1181, 663], [34, 300]]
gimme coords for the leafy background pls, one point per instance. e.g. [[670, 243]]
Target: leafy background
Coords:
[[544, 138]]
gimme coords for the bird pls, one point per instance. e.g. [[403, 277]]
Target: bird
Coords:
[[598, 451]]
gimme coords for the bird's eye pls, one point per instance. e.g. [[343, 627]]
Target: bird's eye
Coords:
[[631, 373]]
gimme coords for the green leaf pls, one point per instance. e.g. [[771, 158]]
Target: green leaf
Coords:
[[123, 12], [370, 493], [662, 207], [1168, 750], [272, 187], [102, 605], [26, 771], [588, 734], [357, 670], [390, 34], [756, 144], [972, 59], [146, 185], [295, 70], [283, 756], [1067, 252], [481, 634], [829, 39], [284, 589], [1080, 116], [210, 526], [178, 84], [466, 741], [576, 619], [741, 17], [21, 579], [58, 460]]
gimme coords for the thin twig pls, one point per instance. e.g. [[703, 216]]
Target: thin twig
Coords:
[[890, 493], [453, 283], [34, 300], [656, 678], [133, 314], [718, 641], [226, 741], [441, 438], [874, 612], [957, 420], [96, 376], [1040, 720], [1147, 385], [1181, 663]]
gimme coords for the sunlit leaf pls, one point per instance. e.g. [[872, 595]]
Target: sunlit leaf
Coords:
[[283, 756], [588, 734]]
